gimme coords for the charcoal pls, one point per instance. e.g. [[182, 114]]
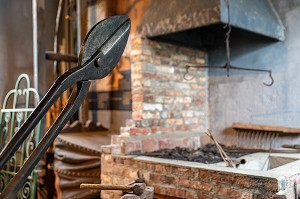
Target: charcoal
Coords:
[[208, 154]]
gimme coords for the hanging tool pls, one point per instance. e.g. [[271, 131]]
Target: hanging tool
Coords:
[[254, 136], [99, 54], [228, 65]]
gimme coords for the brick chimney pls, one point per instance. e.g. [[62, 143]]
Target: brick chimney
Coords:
[[167, 109]]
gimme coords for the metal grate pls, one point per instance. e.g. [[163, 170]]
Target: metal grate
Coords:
[[17, 106]]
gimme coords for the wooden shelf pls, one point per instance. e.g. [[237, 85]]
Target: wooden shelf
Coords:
[[256, 127]]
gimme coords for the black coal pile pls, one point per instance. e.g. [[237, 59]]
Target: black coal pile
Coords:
[[208, 154]]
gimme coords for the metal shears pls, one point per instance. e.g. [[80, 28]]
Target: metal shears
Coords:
[[99, 54]]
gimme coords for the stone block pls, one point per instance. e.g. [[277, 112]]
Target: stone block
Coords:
[[139, 131], [149, 145]]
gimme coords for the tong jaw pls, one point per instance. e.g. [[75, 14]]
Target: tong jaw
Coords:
[[100, 51], [105, 51]]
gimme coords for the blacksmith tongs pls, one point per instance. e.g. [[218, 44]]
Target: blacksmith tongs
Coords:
[[99, 54]]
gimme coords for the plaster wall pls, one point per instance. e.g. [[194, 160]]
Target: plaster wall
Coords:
[[16, 43], [242, 97]]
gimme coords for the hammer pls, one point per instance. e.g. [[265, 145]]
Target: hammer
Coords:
[[137, 188]]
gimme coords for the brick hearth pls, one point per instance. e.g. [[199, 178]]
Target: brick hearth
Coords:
[[181, 179], [169, 111]]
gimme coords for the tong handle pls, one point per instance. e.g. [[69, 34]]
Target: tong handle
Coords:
[[60, 85], [27, 127], [73, 105]]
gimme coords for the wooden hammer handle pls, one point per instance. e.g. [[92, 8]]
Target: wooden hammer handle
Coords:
[[106, 187], [137, 188]]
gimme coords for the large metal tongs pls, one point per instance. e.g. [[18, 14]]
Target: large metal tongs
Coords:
[[99, 54]]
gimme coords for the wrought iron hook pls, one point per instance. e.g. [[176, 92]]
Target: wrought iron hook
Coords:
[[228, 65], [272, 80]]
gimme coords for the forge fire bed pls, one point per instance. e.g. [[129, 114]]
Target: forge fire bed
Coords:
[[208, 154]]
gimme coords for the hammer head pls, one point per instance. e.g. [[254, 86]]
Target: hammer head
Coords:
[[138, 188]]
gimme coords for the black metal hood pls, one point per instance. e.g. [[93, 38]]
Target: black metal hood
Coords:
[[166, 18]]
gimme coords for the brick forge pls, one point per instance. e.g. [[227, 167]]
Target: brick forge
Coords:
[[181, 179], [167, 109]]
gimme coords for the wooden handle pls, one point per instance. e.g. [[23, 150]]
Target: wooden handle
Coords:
[[137, 188], [106, 187]]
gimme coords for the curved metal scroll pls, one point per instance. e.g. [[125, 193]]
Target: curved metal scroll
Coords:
[[17, 106]]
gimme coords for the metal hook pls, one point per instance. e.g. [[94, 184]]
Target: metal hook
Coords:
[[187, 73], [272, 80], [228, 65]]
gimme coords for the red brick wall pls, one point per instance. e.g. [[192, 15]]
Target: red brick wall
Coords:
[[165, 105], [185, 182]]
